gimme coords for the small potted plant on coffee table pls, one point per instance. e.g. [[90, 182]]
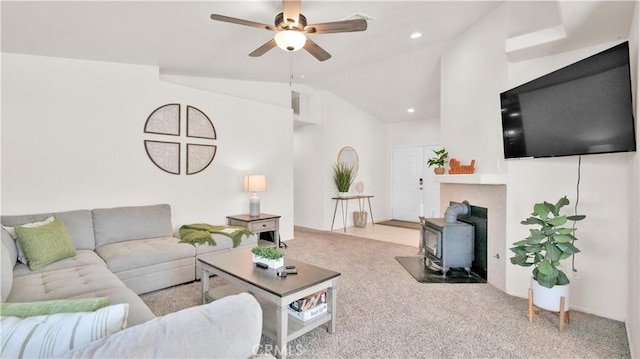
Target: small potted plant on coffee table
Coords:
[[268, 255], [438, 161]]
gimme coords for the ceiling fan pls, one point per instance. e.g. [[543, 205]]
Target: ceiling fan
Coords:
[[290, 28]]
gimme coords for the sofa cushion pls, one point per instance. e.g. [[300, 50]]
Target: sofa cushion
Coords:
[[159, 276], [50, 336], [112, 225], [62, 283], [45, 244], [139, 312], [229, 327], [6, 273], [79, 225], [32, 309], [122, 256], [83, 257]]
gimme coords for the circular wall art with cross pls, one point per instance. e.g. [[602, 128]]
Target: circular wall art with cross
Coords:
[[166, 155]]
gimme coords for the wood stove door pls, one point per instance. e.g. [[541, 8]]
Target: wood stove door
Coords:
[[431, 241]]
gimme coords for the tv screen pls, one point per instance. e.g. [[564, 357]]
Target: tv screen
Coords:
[[584, 108]]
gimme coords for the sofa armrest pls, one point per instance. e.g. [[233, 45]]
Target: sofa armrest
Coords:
[[230, 327]]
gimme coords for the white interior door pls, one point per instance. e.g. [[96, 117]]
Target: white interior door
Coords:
[[413, 189]]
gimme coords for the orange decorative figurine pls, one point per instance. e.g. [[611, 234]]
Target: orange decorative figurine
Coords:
[[455, 168]]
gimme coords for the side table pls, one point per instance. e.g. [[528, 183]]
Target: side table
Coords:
[[262, 223], [344, 207]]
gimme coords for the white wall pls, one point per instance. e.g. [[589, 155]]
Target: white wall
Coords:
[[474, 72], [633, 301], [265, 92], [316, 149], [413, 133], [310, 160], [346, 125], [73, 138]]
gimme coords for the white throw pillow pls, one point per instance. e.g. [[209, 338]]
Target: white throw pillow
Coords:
[[12, 232], [47, 336]]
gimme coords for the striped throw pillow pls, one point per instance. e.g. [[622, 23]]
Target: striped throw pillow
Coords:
[[48, 336]]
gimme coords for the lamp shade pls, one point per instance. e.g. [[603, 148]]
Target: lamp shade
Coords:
[[254, 183], [290, 40]]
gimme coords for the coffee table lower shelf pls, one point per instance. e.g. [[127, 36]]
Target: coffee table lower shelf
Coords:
[[295, 328]]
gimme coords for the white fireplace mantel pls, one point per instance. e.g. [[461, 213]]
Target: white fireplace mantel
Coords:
[[476, 178]]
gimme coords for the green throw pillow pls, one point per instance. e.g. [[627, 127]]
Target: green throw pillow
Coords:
[[45, 244], [32, 309]]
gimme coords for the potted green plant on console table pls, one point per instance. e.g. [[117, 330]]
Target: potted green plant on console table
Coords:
[[268, 255], [438, 161], [343, 178], [543, 249]]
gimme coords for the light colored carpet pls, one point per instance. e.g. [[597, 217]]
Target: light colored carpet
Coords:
[[384, 313]]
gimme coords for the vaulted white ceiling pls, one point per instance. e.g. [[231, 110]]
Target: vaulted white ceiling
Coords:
[[381, 70]]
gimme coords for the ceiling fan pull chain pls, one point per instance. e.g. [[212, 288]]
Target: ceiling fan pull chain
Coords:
[[291, 69]]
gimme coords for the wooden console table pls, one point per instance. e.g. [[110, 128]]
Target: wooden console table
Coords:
[[344, 207]]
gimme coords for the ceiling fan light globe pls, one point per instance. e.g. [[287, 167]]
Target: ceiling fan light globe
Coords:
[[290, 40]]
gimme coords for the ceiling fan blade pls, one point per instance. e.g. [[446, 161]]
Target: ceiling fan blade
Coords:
[[234, 20], [336, 26], [317, 51], [291, 10], [264, 48]]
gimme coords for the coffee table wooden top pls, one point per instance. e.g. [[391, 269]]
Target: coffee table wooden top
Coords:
[[239, 263]]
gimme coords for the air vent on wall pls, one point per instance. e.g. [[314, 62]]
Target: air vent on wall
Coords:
[[295, 102], [300, 104]]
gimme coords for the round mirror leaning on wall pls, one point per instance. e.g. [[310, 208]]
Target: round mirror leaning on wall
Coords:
[[349, 156]]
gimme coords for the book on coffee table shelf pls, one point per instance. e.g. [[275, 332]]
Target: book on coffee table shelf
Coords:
[[309, 302], [308, 314]]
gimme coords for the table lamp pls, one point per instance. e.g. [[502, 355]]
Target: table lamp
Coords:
[[254, 184]]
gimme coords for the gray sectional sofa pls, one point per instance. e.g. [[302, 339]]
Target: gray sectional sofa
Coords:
[[120, 253]]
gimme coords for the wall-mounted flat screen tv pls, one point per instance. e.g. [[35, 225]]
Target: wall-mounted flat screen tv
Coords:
[[583, 108]]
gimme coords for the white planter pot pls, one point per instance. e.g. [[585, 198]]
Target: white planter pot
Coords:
[[549, 298], [277, 263], [343, 194]]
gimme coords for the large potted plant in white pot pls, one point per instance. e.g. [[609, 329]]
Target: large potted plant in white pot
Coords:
[[544, 249], [343, 178]]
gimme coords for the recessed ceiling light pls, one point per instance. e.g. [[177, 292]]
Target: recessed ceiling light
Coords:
[[302, 76], [415, 35], [411, 110]]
